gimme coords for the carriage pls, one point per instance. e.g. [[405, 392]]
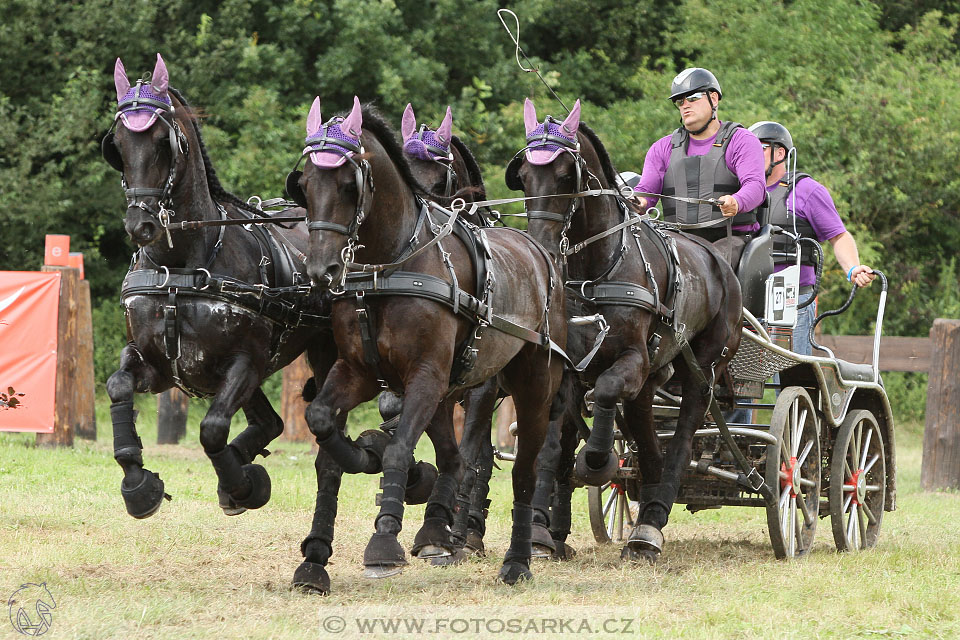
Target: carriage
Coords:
[[826, 450]]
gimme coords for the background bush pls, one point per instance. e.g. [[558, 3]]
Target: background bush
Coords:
[[868, 89]]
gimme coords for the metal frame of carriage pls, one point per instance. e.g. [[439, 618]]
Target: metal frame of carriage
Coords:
[[831, 419]]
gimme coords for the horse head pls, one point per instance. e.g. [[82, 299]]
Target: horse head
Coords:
[[336, 186], [550, 164], [430, 153], [149, 144]]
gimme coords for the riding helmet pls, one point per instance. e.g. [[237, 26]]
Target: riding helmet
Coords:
[[694, 79]]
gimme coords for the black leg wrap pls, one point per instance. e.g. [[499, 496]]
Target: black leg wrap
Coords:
[[596, 463], [393, 483], [516, 562], [144, 500], [655, 504], [363, 456], [442, 498], [461, 515], [229, 467], [421, 479], [542, 493], [560, 522], [126, 443]]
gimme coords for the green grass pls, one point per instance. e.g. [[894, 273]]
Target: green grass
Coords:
[[191, 572]]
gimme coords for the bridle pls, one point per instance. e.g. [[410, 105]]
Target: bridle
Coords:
[[179, 146], [583, 177], [439, 155], [321, 141]]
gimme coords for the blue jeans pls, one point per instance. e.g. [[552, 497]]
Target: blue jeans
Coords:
[[801, 332]]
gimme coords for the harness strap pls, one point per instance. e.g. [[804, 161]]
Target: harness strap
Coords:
[[371, 354], [438, 290], [271, 305]]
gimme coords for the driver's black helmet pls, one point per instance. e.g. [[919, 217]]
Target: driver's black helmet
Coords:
[[694, 79], [773, 132]]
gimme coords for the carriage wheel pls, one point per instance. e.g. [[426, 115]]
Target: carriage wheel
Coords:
[[612, 513], [858, 478], [793, 472]]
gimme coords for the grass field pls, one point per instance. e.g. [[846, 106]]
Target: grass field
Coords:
[[191, 572]]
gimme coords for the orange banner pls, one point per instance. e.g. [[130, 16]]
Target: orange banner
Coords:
[[29, 304]]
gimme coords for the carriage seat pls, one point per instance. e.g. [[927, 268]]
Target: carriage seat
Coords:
[[855, 372], [756, 265]]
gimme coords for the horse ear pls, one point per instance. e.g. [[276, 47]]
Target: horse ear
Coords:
[[354, 122], [572, 122], [408, 124], [446, 127], [529, 115], [314, 118], [120, 80], [160, 79]]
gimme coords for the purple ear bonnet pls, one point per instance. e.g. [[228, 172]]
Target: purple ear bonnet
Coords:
[[329, 146], [427, 145], [545, 152], [137, 116]]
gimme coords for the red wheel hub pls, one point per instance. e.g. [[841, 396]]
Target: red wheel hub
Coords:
[[792, 478]]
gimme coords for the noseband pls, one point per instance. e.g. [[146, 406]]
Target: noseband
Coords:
[[179, 146]]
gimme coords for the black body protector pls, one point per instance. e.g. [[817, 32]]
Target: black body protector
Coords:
[[781, 217], [703, 177]]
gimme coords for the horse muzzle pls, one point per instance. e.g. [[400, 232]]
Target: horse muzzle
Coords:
[[323, 276], [142, 231]]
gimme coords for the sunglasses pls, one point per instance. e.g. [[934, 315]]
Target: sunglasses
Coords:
[[693, 97]]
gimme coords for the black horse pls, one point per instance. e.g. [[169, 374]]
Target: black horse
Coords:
[[211, 309], [452, 309], [657, 290], [443, 163]]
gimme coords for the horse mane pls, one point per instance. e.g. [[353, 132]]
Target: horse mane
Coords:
[[609, 171], [219, 193], [375, 123], [473, 167]]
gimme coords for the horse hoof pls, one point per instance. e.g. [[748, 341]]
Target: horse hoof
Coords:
[[433, 539], [474, 543], [383, 557], [543, 544], [229, 506], [259, 486], [457, 557], [641, 556], [646, 541], [590, 473], [418, 492], [311, 577], [513, 572], [145, 499], [564, 552]]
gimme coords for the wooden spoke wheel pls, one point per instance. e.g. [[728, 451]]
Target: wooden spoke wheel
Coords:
[[858, 479], [612, 513], [793, 472]]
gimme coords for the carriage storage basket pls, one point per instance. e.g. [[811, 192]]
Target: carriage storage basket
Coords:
[[755, 362]]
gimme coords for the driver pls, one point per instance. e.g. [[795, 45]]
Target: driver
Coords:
[[816, 218], [706, 158]]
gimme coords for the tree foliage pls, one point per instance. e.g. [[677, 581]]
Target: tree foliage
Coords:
[[867, 89]]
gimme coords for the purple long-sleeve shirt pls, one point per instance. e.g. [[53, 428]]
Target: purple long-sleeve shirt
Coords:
[[744, 157], [815, 205]]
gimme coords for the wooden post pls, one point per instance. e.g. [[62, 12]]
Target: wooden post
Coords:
[[506, 415], [68, 381], [292, 405], [941, 436], [86, 384], [172, 409]]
